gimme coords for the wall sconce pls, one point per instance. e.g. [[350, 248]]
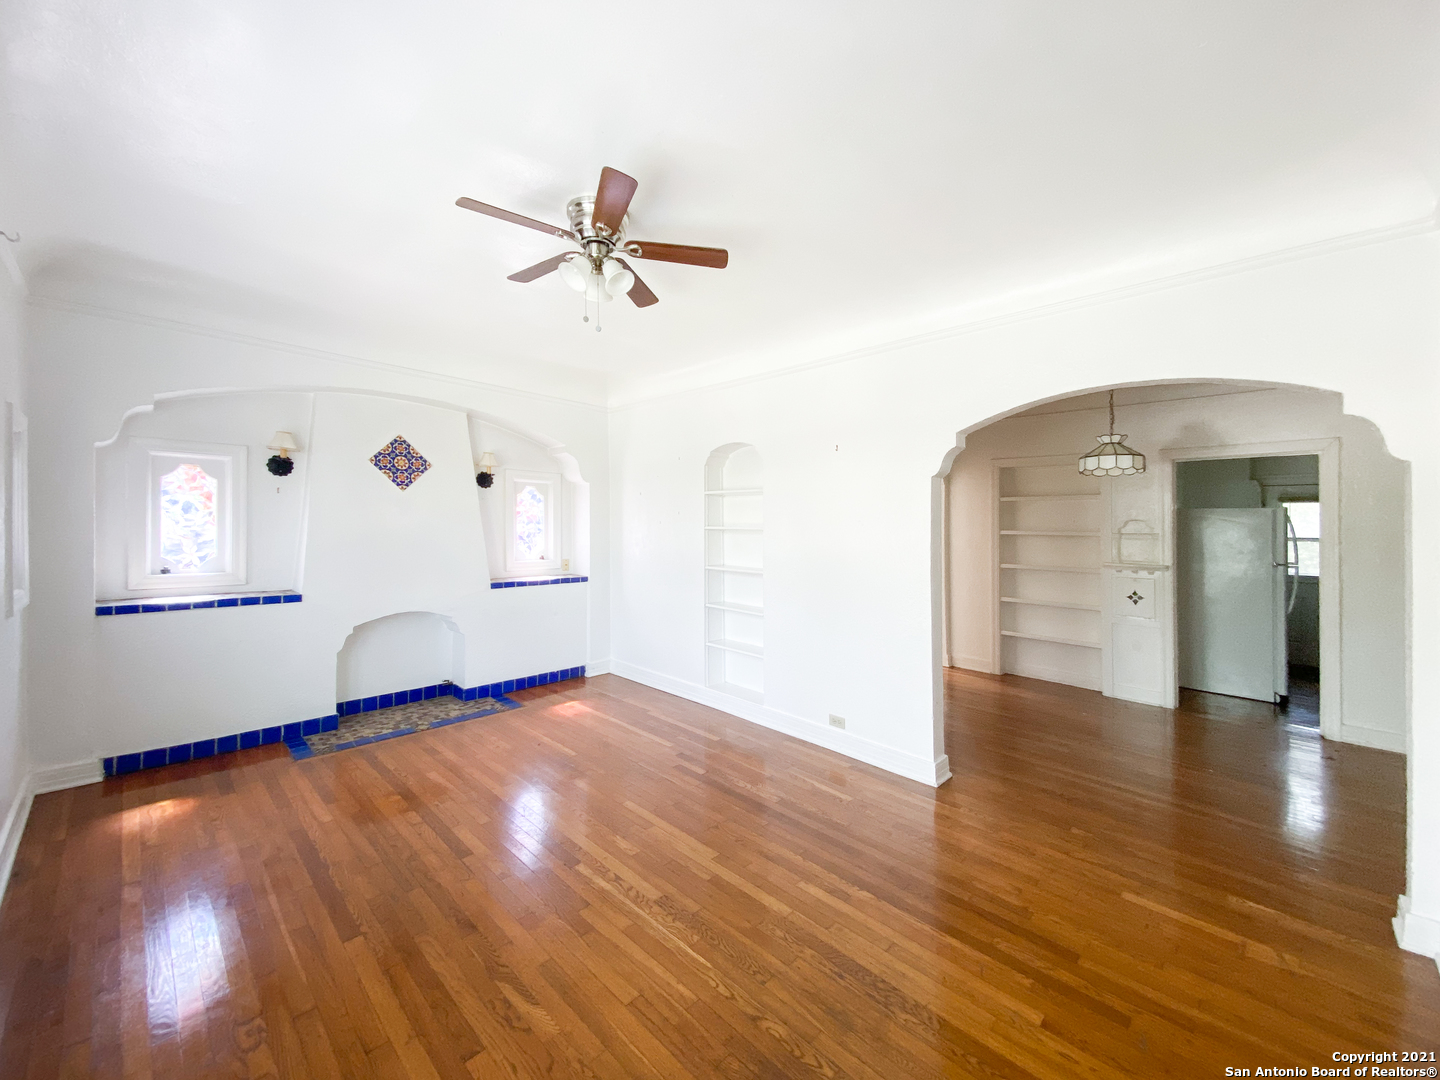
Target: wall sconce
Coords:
[[486, 475], [280, 464]]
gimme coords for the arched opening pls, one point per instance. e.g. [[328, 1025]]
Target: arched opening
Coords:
[[399, 652], [1075, 613], [1036, 554]]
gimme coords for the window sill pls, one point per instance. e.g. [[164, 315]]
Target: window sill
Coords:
[[190, 603], [512, 583]]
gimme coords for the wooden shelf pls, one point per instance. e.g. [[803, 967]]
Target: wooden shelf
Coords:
[[739, 569], [1053, 640], [738, 647], [1047, 498], [737, 491], [1043, 532], [745, 609], [1050, 603], [1055, 569]]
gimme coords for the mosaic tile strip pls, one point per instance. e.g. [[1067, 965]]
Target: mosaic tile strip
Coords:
[[395, 721], [400, 461], [121, 764], [194, 603], [536, 581]]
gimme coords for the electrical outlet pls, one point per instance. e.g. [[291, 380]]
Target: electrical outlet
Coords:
[[564, 564], [837, 721]]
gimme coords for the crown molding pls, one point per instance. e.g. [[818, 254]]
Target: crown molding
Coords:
[[1299, 253], [199, 329], [697, 383]]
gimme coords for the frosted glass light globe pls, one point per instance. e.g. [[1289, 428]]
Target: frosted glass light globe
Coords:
[[575, 272]]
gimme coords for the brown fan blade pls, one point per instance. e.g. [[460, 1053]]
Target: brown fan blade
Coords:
[[639, 292], [612, 199], [678, 253], [516, 219], [540, 269]]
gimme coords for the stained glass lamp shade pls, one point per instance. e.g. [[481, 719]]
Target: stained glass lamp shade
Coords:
[[1112, 457]]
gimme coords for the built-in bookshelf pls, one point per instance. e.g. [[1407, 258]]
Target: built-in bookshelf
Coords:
[[1050, 558], [735, 573]]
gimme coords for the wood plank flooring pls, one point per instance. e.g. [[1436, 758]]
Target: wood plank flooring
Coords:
[[612, 882]]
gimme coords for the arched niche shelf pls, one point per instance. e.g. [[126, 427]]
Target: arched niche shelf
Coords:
[[735, 572]]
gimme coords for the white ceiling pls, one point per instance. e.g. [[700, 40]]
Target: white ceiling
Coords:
[[864, 163]]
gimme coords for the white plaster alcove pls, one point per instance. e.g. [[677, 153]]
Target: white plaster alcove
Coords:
[[399, 652]]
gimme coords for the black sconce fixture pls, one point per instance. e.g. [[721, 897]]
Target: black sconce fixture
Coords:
[[486, 474], [281, 464]]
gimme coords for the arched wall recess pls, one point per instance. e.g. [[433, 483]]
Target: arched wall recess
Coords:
[[734, 572], [399, 652], [252, 414]]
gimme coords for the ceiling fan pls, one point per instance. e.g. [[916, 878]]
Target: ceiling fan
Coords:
[[597, 224]]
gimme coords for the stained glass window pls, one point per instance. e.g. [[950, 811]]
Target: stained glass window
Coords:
[[529, 524], [189, 521]]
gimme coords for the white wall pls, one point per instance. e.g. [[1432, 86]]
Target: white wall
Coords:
[[369, 549], [853, 447], [1201, 485], [400, 652], [274, 508], [513, 450], [14, 756], [1372, 676]]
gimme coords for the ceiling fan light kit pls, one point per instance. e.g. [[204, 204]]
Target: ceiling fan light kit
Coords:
[[597, 225]]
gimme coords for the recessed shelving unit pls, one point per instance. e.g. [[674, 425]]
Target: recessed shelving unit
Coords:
[[1049, 543], [735, 572], [1049, 603]]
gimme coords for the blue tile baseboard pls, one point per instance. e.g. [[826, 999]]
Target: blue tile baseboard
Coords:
[[144, 607], [464, 693], [291, 734], [224, 744], [515, 584]]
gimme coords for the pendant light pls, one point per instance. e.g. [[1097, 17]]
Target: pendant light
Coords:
[[1112, 457]]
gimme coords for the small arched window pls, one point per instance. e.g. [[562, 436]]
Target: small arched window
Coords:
[[533, 500], [188, 516]]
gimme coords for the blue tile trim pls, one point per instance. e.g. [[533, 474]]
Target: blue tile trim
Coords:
[[139, 608], [516, 584], [293, 734]]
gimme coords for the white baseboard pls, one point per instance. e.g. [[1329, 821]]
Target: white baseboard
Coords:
[[910, 766], [60, 777], [1416, 933], [1053, 674], [38, 782], [1373, 737], [597, 667], [14, 826], [982, 664], [1141, 694]]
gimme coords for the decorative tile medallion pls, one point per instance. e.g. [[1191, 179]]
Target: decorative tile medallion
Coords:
[[1135, 598], [400, 461]]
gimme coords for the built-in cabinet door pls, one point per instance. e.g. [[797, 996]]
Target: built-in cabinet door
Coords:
[[1230, 598]]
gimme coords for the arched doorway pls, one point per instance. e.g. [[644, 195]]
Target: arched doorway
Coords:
[[1039, 561]]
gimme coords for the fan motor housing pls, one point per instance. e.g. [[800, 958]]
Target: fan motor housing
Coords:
[[598, 246]]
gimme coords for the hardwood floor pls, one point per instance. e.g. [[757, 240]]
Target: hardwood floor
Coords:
[[612, 882]]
